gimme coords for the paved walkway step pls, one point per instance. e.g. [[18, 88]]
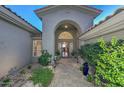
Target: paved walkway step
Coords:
[[68, 74]]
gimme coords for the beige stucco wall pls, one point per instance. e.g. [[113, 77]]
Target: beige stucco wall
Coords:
[[113, 27], [15, 47], [118, 34]]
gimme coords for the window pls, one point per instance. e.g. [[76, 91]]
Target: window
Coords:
[[65, 35], [36, 48]]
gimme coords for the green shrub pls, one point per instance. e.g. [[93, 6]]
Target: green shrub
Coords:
[[89, 78], [23, 71], [6, 82], [57, 53], [44, 58], [75, 53], [108, 59], [42, 76], [110, 66], [29, 67], [89, 53]]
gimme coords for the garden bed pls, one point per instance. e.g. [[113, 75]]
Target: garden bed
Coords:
[[23, 78]]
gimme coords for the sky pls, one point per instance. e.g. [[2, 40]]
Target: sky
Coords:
[[27, 12]]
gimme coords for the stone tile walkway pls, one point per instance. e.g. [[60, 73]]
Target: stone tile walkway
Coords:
[[68, 74]]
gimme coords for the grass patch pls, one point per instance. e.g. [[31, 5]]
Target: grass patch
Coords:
[[42, 76]]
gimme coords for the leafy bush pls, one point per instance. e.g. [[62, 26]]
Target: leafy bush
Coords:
[[108, 59], [57, 53], [42, 76], [89, 78], [110, 66], [29, 67], [6, 82], [44, 58], [23, 71], [75, 53], [89, 53]]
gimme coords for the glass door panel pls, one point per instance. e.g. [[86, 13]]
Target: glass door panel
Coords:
[[70, 48], [65, 48]]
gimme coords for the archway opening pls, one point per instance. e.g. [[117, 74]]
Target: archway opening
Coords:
[[66, 41]]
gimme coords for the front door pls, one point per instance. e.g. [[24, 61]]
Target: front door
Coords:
[[65, 49]]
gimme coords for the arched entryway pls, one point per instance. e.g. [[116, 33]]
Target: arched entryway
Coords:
[[66, 40]]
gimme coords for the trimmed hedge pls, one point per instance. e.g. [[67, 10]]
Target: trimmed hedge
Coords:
[[108, 59]]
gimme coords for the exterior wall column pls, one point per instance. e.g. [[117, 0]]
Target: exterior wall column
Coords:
[[48, 41]]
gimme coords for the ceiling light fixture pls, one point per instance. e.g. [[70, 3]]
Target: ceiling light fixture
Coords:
[[66, 26]]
